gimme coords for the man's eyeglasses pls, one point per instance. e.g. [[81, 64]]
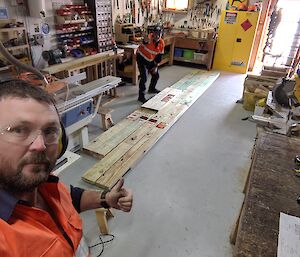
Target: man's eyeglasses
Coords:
[[25, 136]]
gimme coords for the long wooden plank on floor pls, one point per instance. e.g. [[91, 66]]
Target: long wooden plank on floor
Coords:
[[162, 99], [149, 134], [132, 157], [196, 76], [117, 153], [107, 141], [189, 97], [123, 156], [112, 175]]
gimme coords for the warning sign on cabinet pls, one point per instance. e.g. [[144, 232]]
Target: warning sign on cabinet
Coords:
[[246, 25], [230, 18]]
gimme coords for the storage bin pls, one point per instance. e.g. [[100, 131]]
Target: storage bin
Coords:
[[200, 56], [178, 52], [188, 54]]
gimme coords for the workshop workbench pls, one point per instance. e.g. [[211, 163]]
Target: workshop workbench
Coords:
[[132, 48], [271, 188], [95, 65]]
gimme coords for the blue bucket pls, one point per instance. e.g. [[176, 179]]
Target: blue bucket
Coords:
[[178, 52]]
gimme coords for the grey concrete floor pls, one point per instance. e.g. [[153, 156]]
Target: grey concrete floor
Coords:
[[188, 187]]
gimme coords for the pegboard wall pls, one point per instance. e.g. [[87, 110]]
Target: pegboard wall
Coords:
[[203, 14], [208, 10]]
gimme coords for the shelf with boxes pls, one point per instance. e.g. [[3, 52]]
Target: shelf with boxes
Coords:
[[192, 50], [14, 37], [194, 46], [74, 30]]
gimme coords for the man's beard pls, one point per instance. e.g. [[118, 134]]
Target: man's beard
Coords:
[[18, 182]]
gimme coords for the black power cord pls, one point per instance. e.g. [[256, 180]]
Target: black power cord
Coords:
[[103, 242]]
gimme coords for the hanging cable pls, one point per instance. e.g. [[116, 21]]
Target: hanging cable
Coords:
[[102, 243]]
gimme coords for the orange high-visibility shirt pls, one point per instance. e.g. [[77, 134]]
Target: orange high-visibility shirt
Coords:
[[150, 51], [30, 231]]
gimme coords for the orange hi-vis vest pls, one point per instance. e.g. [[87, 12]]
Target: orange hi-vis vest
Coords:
[[150, 51], [31, 231]]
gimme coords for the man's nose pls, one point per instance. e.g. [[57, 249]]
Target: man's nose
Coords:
[[38, 144]]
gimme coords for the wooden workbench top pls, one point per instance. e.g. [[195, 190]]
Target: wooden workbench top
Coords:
[[87, 60], [169, 39], [272, 188]]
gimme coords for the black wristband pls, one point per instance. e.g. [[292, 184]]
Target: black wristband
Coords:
[[103, 203]]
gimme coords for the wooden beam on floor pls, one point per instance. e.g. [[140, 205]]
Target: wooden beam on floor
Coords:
[[130, 139], [152, 133], [107, 141], [164, 98]]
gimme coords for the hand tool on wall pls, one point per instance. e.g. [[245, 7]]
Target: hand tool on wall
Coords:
[[132, 3], [212, 9], [118, 4], [143, 6], [207, 10]]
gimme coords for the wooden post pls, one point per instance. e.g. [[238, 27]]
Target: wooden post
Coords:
[[102, 215], [102, 220], [106, 118], [115, 66]]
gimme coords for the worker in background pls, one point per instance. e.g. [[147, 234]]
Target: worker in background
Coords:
[[149, 55], [38, 215]]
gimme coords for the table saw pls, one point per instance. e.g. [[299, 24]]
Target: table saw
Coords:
[[75, 104]]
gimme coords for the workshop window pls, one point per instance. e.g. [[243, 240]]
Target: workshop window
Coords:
[[177, 4]]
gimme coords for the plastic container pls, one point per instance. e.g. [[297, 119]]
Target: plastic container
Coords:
[[188, 54], [178, 52], [200, 56]]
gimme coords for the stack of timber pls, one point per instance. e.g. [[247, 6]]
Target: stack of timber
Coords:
[[120, 147]]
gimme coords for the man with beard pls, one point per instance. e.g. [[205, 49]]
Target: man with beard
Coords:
[[38, 215]]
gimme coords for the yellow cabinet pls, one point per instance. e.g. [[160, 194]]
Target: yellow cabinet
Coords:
[[235, 40]]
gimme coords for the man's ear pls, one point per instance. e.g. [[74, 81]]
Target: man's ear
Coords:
[[63, 141]]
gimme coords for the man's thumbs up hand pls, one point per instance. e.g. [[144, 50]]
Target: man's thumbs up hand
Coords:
[[119, 197]]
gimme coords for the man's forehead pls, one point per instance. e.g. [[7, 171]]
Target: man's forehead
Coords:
[[25, 100], [15, 107]]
